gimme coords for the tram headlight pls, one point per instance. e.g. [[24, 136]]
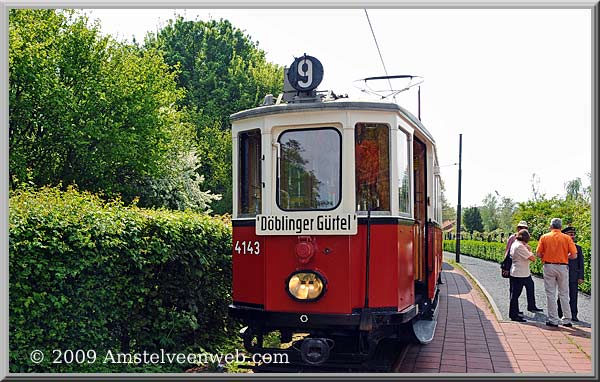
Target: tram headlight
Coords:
[[306, 286]]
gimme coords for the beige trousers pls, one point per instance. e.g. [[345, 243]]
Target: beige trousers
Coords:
[[556, 276]]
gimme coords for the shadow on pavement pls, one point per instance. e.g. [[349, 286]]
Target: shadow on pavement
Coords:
[[543, 318], [447, 267], [466, 340]]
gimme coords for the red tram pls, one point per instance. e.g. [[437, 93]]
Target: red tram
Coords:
[[336, 222]]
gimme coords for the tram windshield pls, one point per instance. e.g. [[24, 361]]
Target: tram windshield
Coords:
[[310, 175]]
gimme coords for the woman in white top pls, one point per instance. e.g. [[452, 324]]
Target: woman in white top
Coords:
[[519, 272]]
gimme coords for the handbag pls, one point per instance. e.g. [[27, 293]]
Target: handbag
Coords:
[[505, 266]]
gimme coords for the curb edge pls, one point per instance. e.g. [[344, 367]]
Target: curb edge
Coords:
[[495, 309]]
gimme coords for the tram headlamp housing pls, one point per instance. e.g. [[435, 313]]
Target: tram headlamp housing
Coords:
[[306, 285]]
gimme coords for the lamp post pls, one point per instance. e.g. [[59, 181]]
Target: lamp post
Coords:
[[458, 206]]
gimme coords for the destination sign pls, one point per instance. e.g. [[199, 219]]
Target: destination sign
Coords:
[[307, 224]]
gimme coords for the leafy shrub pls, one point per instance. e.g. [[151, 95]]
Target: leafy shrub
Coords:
[[88, 110], [89, 274], [495, 252], [180, 188], [573, 211]]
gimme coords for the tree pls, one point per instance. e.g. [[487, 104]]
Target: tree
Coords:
[[572, 211], [448, 211], [180, 188], [535, 188], [573, 189], [587, 191], [46, 55], [221, 68], [87, 110], [223, 71], [505, 215], [472, 219], [489, 213]]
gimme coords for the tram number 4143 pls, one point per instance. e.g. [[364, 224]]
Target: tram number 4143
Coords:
[[247, 247]]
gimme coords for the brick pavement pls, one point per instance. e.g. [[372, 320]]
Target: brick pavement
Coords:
[[469, 339]]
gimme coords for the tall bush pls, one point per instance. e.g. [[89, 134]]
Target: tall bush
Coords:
[[90, 274], [87, 110], [223, 71], [573, 211]]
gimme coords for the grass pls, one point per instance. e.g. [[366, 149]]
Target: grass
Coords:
[[571, 340]]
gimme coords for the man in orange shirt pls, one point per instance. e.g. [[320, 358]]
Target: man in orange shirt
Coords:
[[555, 249]]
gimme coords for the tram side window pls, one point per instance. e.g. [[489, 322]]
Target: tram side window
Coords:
[[249, 178], [403, 173], [438, 198], [372, 166], [310, 169]]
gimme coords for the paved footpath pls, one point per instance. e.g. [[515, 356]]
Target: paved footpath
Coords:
[[470, 339]]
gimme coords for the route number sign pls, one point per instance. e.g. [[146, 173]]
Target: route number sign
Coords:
[[305, 73]]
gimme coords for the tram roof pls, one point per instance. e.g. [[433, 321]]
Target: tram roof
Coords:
[[329, 105]]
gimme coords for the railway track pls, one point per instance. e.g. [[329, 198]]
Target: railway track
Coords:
[[400, 359]]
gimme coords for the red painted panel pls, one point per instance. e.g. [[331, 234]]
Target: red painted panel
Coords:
[[438, 249], [248, 268], [434, 255], [383, 279], [406, 280], [330, 260], [391, 280], [260, 279], [357, 267]]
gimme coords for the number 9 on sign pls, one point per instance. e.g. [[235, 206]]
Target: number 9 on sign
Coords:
[[305, 73]]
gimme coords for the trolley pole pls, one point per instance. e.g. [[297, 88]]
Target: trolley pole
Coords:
[[458, 207]]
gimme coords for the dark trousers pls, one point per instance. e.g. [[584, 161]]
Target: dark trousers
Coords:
[[516, 287], [530, 290], [573, 291]]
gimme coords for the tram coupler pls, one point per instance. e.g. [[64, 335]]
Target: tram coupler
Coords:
[[315, 351]]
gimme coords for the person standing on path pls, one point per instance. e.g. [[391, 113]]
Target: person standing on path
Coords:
[[528, 282], [555, 249], [521, 255], [576, 275]]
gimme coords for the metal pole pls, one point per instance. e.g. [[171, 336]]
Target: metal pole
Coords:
[[458, 207]]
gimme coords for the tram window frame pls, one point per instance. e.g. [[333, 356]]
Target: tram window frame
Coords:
[[279, 169], [384, 211], [438, 198], [407, 156], [257, 167]]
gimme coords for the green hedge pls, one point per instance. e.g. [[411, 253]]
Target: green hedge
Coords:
[[495, 252], [94, 275]]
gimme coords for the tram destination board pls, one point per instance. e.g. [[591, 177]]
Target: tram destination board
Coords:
[[307, 224]]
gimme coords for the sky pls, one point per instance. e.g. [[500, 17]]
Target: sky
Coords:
[[516, 83]]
